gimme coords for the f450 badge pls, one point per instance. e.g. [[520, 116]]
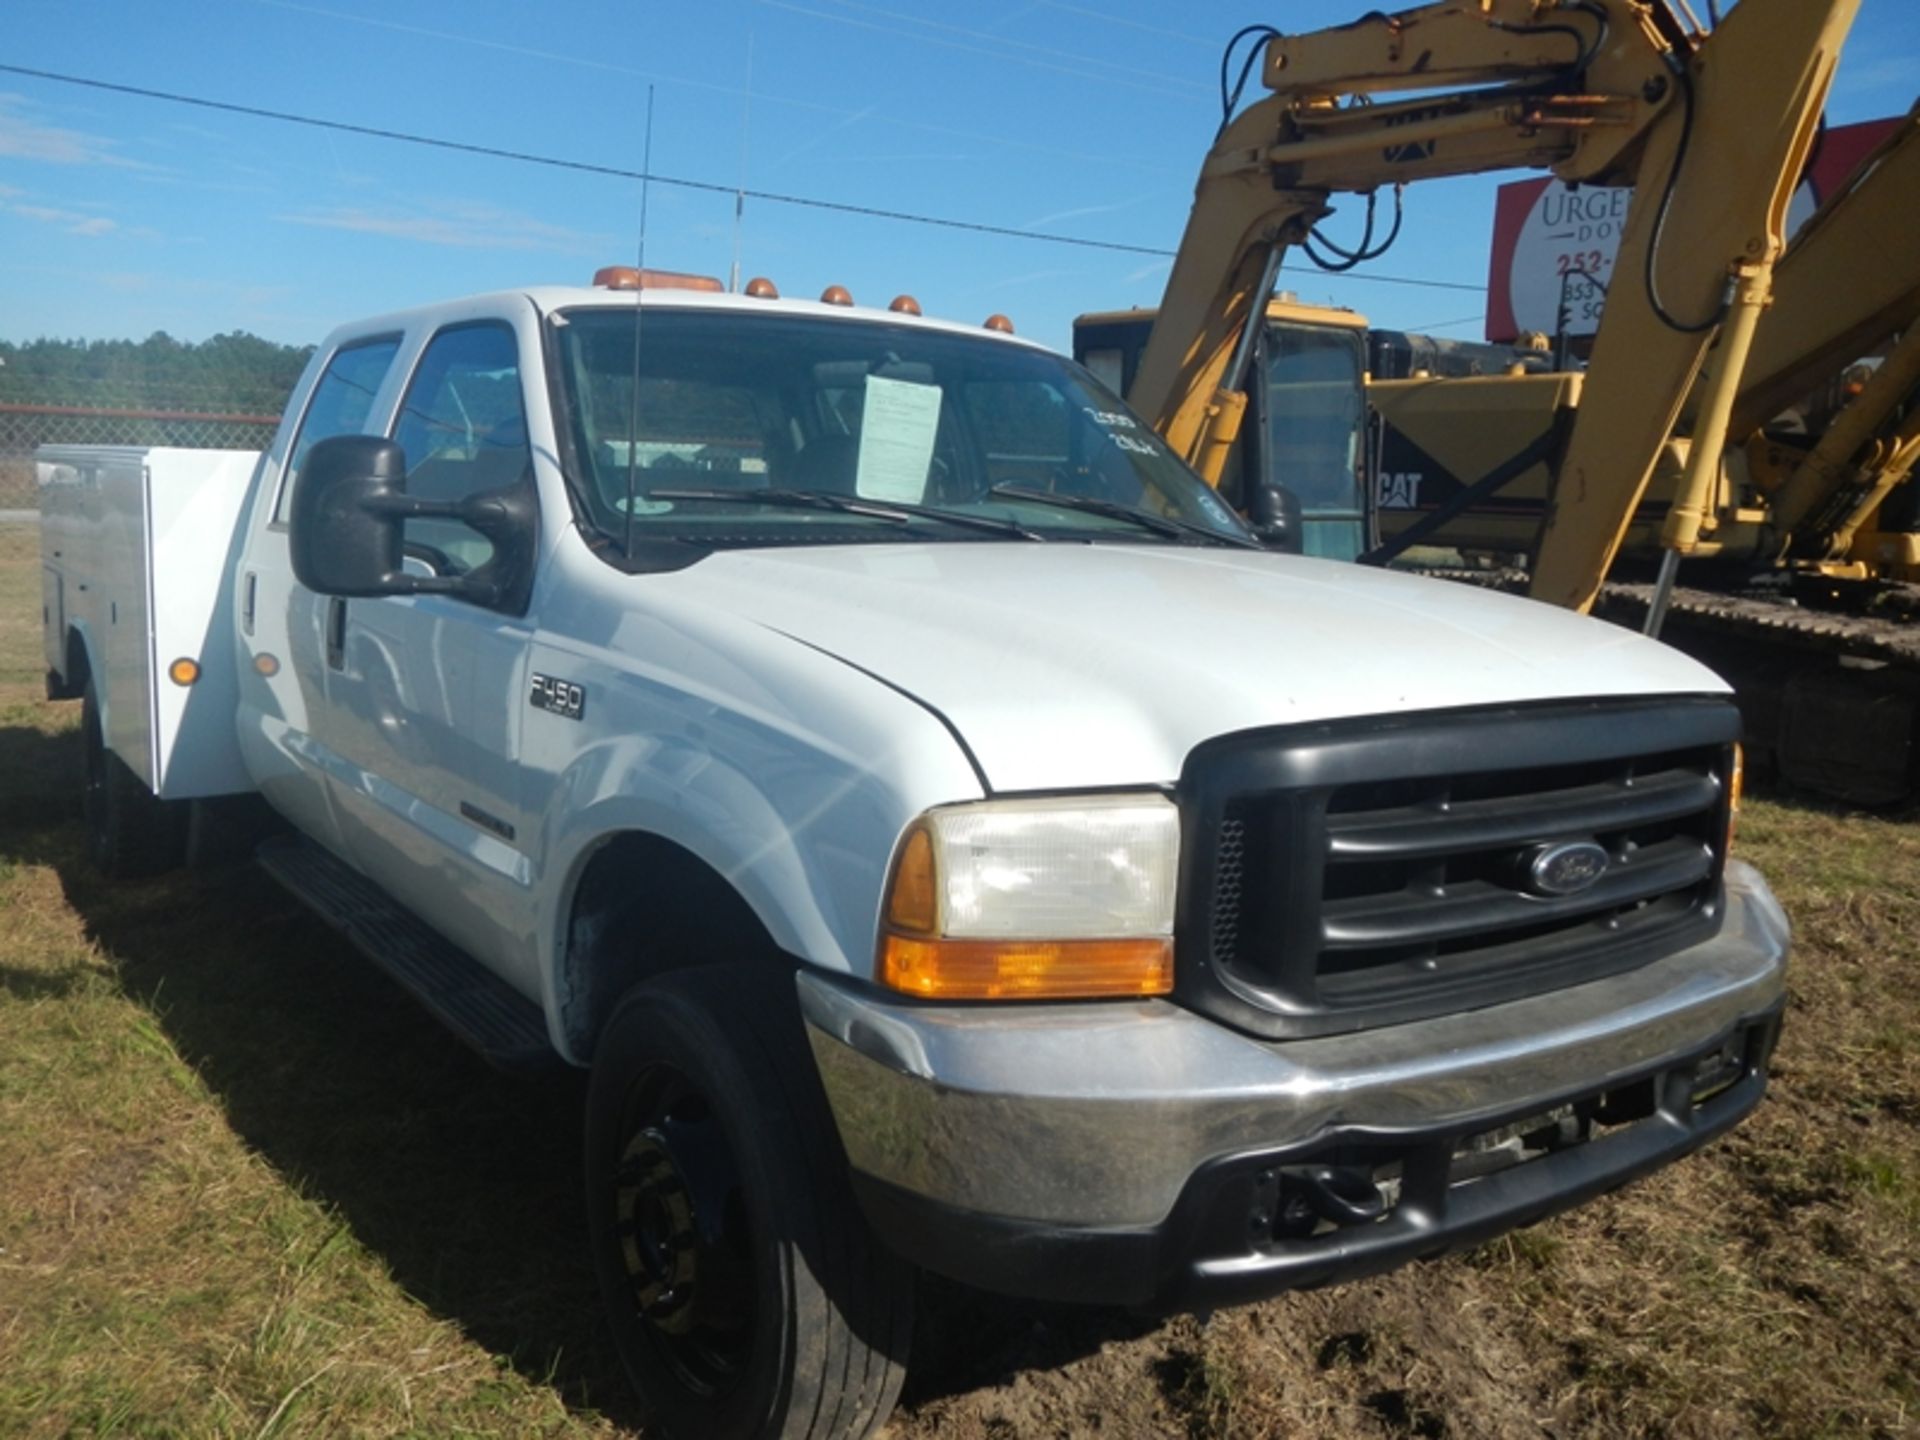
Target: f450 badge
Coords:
[[558, 697]]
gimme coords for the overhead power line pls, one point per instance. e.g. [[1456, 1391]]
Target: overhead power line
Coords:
[[587, 167], [555, 57]]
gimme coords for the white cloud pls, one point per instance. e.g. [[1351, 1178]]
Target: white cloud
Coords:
[[73, 222], [25, 139], [1082, 211], [463, 225]]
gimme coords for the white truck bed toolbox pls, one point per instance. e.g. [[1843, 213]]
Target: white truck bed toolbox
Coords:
[[134, 544]]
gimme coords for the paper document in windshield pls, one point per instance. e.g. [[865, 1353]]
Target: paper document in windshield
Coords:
[[897, 428]]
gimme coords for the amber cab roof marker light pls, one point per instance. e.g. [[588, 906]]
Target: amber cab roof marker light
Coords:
[[629, 277], [836, 295], [904, 305], [1000, 323], [761, 288]]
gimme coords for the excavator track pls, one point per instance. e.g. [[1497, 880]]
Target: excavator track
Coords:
[[1892, 638], [1831, 696]]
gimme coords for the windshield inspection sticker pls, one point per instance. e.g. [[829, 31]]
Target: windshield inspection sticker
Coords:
[[897, 427]]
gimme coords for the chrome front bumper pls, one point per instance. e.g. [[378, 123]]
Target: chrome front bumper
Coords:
[[1095, 1117]]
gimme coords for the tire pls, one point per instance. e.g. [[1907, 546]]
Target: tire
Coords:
[[748, 1300], [131, 832]]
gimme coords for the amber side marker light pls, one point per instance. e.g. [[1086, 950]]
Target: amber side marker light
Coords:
[[916, 960], [184, 671], [1736, 783]]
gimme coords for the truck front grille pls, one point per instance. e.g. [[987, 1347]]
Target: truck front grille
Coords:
[[1347, 876]]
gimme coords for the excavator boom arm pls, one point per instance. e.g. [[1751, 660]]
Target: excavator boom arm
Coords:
[[1599, 91]]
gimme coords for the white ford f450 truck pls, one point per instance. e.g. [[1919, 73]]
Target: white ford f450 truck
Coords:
[[949, 837]]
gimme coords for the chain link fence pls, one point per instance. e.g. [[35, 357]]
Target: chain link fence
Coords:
[[24, 428]]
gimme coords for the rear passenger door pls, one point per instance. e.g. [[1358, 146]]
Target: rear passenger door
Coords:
[[426, 693]]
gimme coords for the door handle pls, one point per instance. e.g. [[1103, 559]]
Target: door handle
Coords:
[[336, 633], [246, 604]]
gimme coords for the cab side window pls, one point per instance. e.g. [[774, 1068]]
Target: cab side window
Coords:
[[463, 426], [340, 403]]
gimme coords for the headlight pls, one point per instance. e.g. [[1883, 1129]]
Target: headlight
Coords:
[[1056, 899]]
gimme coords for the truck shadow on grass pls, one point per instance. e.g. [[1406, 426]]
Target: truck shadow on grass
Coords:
[[465, 1182]]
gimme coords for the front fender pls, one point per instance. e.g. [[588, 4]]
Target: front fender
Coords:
[[785, 771]]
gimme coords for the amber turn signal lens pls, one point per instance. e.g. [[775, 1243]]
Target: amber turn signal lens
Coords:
[[1736, 782], [1026, 969], [183, 671], [913, 903]]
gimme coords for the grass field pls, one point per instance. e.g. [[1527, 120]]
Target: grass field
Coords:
[[247, 1190], [16, 484]]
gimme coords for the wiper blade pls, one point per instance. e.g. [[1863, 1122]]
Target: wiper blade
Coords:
[[1114, 510], [853, 505]]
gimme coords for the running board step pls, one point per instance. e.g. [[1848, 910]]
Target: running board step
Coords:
[[484, 1011]]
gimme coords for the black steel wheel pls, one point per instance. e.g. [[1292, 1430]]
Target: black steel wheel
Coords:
[[745, 1295], [131, 832]]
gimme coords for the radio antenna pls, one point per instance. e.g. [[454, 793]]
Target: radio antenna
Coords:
[[740, 190], [639, 294]]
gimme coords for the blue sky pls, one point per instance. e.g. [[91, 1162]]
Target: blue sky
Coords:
[[120, 216]]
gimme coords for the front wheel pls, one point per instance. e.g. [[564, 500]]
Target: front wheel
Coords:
[[747, 1297]]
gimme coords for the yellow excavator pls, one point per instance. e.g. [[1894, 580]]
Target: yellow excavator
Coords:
[[1816, 442], [1804, 546], [1712, 127]]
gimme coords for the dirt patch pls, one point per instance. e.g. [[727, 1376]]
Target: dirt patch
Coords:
[[109, 1183]]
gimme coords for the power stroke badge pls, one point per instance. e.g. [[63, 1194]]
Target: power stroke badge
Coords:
[[557, 697]]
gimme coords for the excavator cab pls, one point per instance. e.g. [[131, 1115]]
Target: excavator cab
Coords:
[[1307, 394]]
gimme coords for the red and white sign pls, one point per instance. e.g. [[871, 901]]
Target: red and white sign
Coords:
[[1551, 243]]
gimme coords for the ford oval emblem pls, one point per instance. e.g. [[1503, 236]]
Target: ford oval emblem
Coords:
[[1566, 868]]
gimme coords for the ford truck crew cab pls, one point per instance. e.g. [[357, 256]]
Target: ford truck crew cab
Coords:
[[947, 836]]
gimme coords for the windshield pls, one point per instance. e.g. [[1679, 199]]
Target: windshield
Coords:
[[755, 430]]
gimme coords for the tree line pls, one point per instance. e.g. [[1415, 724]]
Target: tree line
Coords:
[[236, 373]]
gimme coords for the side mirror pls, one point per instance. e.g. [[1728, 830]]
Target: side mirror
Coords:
[[343, 532], [1275, 517], [346, 527]]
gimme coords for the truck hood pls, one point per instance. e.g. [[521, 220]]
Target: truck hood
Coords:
[[1068, 665]]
